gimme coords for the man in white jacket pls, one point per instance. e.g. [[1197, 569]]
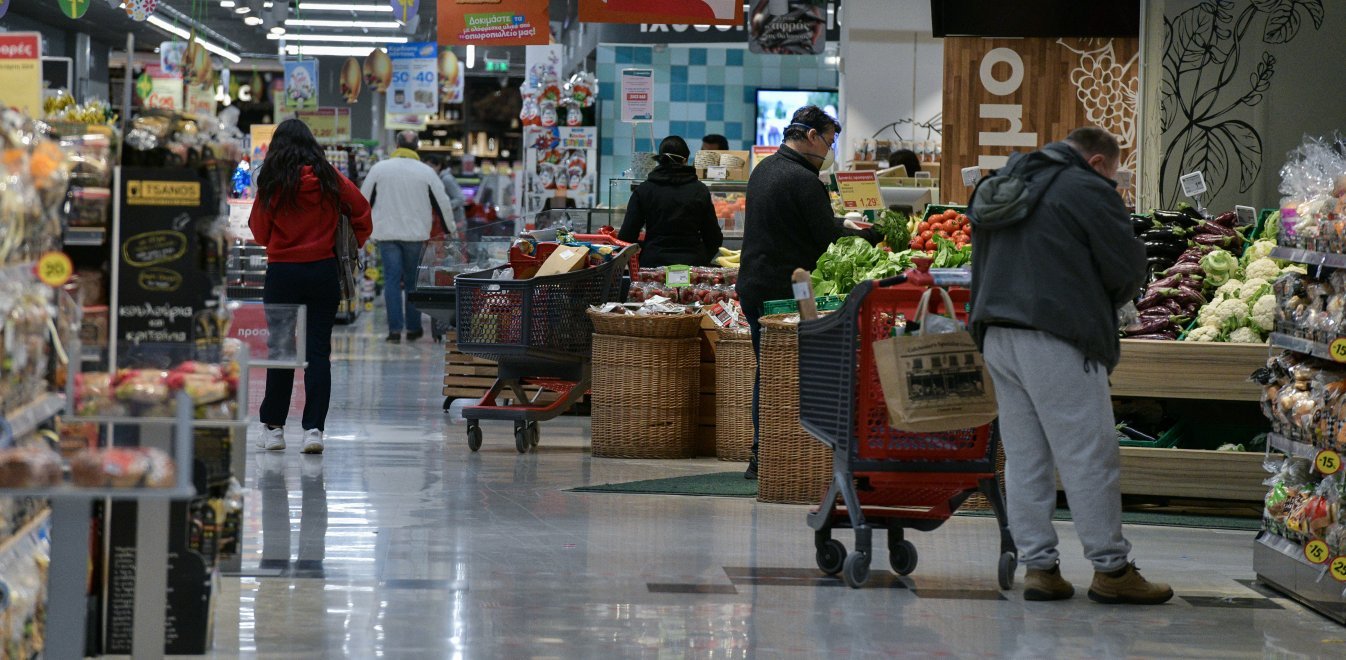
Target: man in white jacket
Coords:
[[405, 194]]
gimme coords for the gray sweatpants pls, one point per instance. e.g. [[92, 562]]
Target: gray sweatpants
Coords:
[[1056, 411]]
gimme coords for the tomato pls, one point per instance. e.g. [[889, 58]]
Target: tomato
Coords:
[[925, 235], [950, 214], [916, 243], [931, 246], [943, 234], [923, 226]]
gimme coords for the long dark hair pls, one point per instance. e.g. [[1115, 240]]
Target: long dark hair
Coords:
[[292, 147]]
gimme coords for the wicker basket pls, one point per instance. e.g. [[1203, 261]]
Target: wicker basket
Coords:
[[654, 326], [735, 366], [793, 466], [977, 502], [646, 397]]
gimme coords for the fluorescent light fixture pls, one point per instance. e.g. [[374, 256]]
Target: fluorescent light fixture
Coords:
[[348, 38], [277, 30], [471, 56], [227, 4], [373, 25], [268, 4], [242, 10], [334, 6], [252, 20], [330, 51], [177, 31]]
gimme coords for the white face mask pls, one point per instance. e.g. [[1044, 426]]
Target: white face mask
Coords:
[[828, 161]]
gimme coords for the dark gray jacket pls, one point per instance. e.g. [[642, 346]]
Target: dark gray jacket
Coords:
[[1054, 251]]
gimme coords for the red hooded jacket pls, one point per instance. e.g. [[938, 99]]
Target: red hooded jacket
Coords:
[[307, 232]]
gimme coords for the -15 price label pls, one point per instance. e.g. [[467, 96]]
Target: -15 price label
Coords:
[[1337, 349], [1338, 569], [1327, 462], [1316, 552]]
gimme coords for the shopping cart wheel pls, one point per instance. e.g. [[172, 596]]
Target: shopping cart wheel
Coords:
[[855, 570], [534, 433], [1008, 565], [831, 556], [902, 556], [473, 435], [523, 440]]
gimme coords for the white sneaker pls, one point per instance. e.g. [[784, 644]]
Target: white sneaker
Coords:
[[272, 439], [312, 441]]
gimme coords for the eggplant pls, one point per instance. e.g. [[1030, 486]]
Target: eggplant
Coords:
[[1140, 223], [1175, 218], [1163, 250], [1152, 298], [1145, 326], [1212, 228], [1227, 219], [1157, 337], [1164, 234], [1184, 296], [1185, 268], [1168, 281], [1214, 240]]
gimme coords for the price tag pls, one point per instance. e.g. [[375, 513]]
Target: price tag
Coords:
[[971, 175], [1327, 462], [802, 291], [55, 269], [1193, 184], [1316, 552], [717, 172], [1338, 349], [859, 191], [1338, 569], [678, 276], [1247, 216], [1124, 179]]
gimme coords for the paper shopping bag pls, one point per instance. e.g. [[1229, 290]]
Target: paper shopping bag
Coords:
[[934, 382]]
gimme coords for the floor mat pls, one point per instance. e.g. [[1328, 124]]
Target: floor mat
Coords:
[[715, 484]]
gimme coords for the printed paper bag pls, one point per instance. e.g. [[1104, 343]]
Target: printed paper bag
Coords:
[[934, 382]]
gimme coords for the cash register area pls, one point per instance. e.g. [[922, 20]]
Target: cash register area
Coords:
[[398, 542]]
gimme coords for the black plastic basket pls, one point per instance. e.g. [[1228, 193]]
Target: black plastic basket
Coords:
[[542, 318]]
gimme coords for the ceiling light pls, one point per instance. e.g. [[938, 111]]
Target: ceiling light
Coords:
[[374, 25], [242, 10], [228, 4], [333, 6], [350, 38], [330, 51], [177, 31], [252, 20], [277, 30], [268, 4]]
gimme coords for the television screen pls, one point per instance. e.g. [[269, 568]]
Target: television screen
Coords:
[[776, 106]]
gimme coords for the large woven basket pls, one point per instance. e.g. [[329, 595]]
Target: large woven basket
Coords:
[[655, 326], [793, 466], [977, 502], [735, 366], [645, 397]]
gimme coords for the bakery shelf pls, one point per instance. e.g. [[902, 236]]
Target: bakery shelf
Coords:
[[74, 492], [1188, 370], [1301, 345], [1310, 257], [25, 419], [1280, 564], [1292, 447]]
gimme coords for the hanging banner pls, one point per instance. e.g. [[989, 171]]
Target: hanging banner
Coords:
[[414, 89], [329, 125], [451, 77], [21, 71], [693, 12], [200, 100], [405, 10], [352, 78], [260, 138], [637, 95], [141, 10], [301, 85], [71, 8], [378, 71], [787, 27], [165, 89], [171, 55], [493, 23]]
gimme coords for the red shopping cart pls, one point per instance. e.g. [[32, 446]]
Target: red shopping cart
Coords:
[[538, 332], [886, 478]]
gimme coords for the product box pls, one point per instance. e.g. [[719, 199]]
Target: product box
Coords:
[[565, 259]]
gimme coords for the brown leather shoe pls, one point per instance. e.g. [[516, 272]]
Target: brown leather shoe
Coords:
[[1047, 585], [1125, 586]]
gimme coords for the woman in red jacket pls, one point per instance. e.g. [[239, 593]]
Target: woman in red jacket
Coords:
[[300, 198]]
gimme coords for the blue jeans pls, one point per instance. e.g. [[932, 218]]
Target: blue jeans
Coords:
[[400, 260]]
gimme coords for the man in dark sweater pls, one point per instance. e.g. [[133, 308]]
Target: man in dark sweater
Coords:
[[1055, 258], [788, 225]]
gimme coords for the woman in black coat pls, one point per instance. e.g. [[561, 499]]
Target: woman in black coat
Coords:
[[674, 209]]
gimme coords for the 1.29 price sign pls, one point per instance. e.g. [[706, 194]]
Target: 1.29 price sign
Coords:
[[860, 191]]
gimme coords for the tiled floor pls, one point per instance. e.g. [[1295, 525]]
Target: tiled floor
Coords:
[[400, 543]]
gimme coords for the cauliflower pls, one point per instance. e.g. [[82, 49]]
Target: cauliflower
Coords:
[[1230, 311], [1230, 288], [1264, 312], [1253, 289], [1245, 335], [1259, 249], [1295, 268], [1203, 333], [1263, 268]]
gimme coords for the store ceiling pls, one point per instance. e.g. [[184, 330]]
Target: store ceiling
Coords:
[[110, 24]]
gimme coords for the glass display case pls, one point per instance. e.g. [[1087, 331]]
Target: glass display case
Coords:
[[730, 199], [445, 259]]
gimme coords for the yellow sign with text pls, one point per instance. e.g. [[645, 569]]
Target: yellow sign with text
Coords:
[[21, 71], [859, 191], [163, 193], [329, 125], [1316, 551], [55, 269]]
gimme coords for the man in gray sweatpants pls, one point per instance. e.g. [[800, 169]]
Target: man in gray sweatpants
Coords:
[[1055, 258]]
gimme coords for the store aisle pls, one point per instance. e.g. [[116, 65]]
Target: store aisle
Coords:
[[400, 543]]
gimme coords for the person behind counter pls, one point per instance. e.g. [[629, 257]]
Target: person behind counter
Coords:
[[906, 158], [675, 210], [715, 142], [789, 223]]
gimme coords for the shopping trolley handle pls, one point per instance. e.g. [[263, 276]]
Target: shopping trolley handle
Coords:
[[893, 281]]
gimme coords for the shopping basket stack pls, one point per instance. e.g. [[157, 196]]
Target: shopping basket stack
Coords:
[[886, 478], [538, 333]]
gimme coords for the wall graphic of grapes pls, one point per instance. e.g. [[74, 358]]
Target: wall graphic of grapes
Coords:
[[1107, 90]]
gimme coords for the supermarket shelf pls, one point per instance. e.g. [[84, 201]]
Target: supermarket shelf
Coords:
[[1310, 257], [1188, 370], [243, 293], [1280, 564], [75, 493], [1301, 345], [28, 417], [76, 236], [1291, 447], [1195, 473], [157, 421]]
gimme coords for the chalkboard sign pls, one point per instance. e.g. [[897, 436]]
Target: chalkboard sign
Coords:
[[163, 285]]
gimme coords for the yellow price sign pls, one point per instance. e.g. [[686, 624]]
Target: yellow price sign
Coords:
[[1337, 349], [859, 191], [1338, 569], [55, 269], [1327, 462], [1316, 551]]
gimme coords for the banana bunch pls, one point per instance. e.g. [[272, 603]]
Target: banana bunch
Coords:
[[728, 258]]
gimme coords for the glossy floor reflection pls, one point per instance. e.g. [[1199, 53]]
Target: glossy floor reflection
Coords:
[[400, 543]]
